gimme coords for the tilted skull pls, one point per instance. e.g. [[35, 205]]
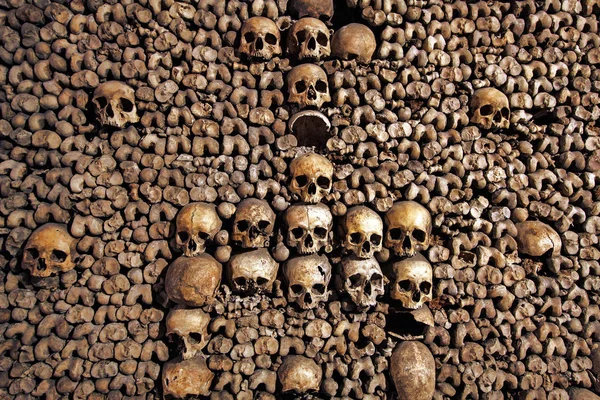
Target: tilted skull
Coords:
[[362, 232], [490, 108], [362, 280], [196, 225], [191, 326], [309, 227], [307, 86], [193, 281], [309, 39], [49, 250], [410, 281], [253, 224], [299, 374], [312, 177], [537, 239], [252, 272], [115, 104], [183, 378], [408, 227], [307, 279], [260, 38], [412, 368], [321, 9], [354, 42]]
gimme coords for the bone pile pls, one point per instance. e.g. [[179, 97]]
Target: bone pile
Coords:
[[364, 199]]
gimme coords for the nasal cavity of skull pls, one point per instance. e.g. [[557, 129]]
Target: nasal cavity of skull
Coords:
[[58, 256]]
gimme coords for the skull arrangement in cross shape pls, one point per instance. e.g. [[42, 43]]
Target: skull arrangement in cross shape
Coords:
[[253, 224], [50, 250], [115, 104], [307, 86], [408, 227], [307, 279], [362, 232], [260, 38], [410, 281], [309, 227], [196, 225], [191, 326], [309, 39], [312, 177], [490, 108], [252, 272], [362, 280]]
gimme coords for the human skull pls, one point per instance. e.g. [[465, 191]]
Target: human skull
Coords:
[[191, 325], [309, 39], [412, 368], [307, 85], [183, 378], [309, 227], [253, 224], [410, 281], [193, 281], [362, 231], [491, 109], [299, 374], [252, 272], [307, 279], [49, 250], [312, 177], [321, 9], [354, 42], [408, 228], [196, 225], [362, 279], [537, 239], [260, 38], [115, 104]]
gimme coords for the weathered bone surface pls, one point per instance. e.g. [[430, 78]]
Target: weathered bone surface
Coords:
[[183, 378], [191, 327], [308, 86], [312, 177], [307, 279], [193, 281], [115, 104], [362, 232], [413, 371], [490, 109], [260, 38], [299, 374], [362, 279], [196, 225], [309, 38], [49, 250], [408, 228], [252, 272], [254, 224], [410, 281], [354, 42], [309, 227]]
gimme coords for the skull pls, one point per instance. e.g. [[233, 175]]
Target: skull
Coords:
[[408, 228], [309, 39], [49, 251], [309, 227], [536, 239], [115, 104], [490, 109], [183, 378], [307, 279], [321, 9], [193, 281], [411, 281], [354, 42], [362, 231], [192, 327], [412, 368], [253, 224], [299, 374], [362, 279], [260, 38], [196, 224], [252, 272], [312, 177], [307, 84]]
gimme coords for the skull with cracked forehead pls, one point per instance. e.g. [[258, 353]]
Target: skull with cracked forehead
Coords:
[[253, 224], [362, 279], [312, 177], [183, 378], [260, 38], [309, 227], [362, 232], [408, 228], [410, 281], [50, 250], [490, 108], [299, 374], [307, 86], [309, 39], [537, 239], [252, 272], [307, 279], [354, 42], [191, 326], [115, 104], [196, 225], [193, 281]]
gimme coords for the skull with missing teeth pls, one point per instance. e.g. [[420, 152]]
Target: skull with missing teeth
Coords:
[[307, 279], [362, 231], [411, 281], [191, 326], [50, 250], [307, 85], [362, 279], [312, 177], [491, 109], [115, 104], [253, 224], [309, 39], [309, 227], [252, 272], [196, 225], [260, 38], [408, 228]]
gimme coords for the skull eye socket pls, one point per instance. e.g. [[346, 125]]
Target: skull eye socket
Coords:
[[58, 256], [298, 232], [271, 39], [301, 180], [249, 37], [196, 337], [320, 233], [301, 36], [260, 281], [404, 285], [296, 289], [396, 234], [376, 239], [240, 281], [102, 102], [32, 253], [355, 238], [419, 235], [126, 105], [183, 236], [425, 287], [318, 288], [486, 110], [203, 235], [321, 86], [323, 182], [263, 224], [300, 86], [243, 225], [505, 112], [376, 279], [322, 39], [355, 280]]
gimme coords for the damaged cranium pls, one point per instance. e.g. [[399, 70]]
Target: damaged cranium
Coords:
[[191, 325], [412, 369], [115, 104], [490, 108], [362, 280], [193, 281], [308, 86], [252, 272], [410, 281], [308, 38], [309, 227], [260, 38], [253, 224], [299, 374], [362, 232], [50, 250], [183, 378], [307, 279], [196, 225], [408, 227], [354, 42], [537, 239], [312, 177]]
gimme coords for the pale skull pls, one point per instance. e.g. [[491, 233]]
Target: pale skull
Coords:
[[490, 108], [537, 239], [183, 378], [260, 38], [252, 272], [49, 250], [309, 39], [412, 368], [309, 227], [307, 86], [362, 232], [115, 104], [408, 228], [299, 374], [354, 42], [196, 226], [362, 280], [191, 326], [312, 177], [253, 224], [410, 281], [193, 281], [307, 279]]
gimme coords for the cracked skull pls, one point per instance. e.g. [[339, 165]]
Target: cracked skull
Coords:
[[307, 86], [410, 281], [309, 39], [408, 228], [312, 177], [491, 109], [309, 227], [307, 279], [362, 232], [196, 225], [183, 378], [191, 325], [354, 42], [193, 281], [115, 104], [253, 224], [362, 279], [50, 250], [252, 272], [299, 374], [260, 38]]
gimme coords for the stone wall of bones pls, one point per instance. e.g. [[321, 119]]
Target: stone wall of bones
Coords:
[[276, 199]]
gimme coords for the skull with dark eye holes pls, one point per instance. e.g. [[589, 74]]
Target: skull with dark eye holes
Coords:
[[490, 109], [410, 281], [309, 39], [312, 177], [308, 86], [115, 104], [307, 279], [309, 227], [254, 224], [260, 38], [50, 250]]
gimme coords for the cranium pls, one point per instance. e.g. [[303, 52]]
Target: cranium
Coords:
[[252, 272], [410, 281], [193, 281], [253, 224], [183, 378], [362, 231], [312, 177], [307, 279], [362, 279], [307, 85], [260, 38], [50, 250], [309, 39], [299, 374], [115, 104], [354, 42], [408, 228], [321, 9], [537, 239], [490, 108], [412, 368], [191, 325], [196, 225], [309, 227]]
